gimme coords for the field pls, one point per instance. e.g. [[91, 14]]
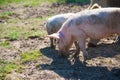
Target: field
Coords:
[[25, 53]]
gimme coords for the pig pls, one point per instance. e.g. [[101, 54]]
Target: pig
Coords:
[[106, 3], [54, 23], [95, 24]]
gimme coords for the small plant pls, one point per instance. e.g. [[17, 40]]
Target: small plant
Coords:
[[34, 33], [10, 32], [31, 3], [7, 67], [31, 55], [72, 1], [26, 3], [13, 20], [7, 14], [5, 44], [14, 35]]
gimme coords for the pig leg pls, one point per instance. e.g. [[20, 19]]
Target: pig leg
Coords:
[[76, 55], [51, 39], [82, 42], [77, 49], [51, 43], [118, 40]]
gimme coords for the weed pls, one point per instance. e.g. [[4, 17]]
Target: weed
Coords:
[[12, 32], [24, 2], [7, 67], [72, 1], [31, 55], [18, 29], [16, 20], [7, 14], [5, 44]]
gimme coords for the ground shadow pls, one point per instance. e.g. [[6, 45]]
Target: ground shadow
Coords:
[[104, 50], [78, 70]]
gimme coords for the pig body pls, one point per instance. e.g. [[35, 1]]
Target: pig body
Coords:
[[54, 23], [95, 24], [106, 3]]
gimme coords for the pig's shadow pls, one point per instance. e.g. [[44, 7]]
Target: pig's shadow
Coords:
[[104, 50], [63, 67]]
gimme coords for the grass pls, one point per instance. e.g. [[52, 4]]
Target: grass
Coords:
[[16, 29], [37, 2], [7, 67], [72, 1], [5, 44], [11, 32], [6, 14], [32, 55], [25, 2]]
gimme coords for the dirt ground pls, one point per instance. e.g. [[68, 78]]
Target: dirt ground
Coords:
[[103, 61]]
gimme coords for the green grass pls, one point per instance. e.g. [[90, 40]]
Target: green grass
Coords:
[[37, 2], [25, 2], [32, 55], [7, 67], [5, 44], [13, 20], [6, 14], [18, 66], [72, 1], [12, 30]]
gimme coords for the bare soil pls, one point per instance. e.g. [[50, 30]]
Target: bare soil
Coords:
[[103, 61]]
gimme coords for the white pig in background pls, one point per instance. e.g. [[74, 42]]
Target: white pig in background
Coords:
[[95, 24], [54, 23]]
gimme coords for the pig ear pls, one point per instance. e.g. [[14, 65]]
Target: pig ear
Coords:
[[54, 35], [95, 6]]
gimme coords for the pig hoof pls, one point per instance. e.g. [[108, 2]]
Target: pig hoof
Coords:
[[91, 45]]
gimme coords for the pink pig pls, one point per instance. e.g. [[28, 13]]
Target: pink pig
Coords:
[[94, 24]]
